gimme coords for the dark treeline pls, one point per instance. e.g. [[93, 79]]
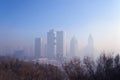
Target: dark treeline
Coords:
[[14, 69], [106, 67]]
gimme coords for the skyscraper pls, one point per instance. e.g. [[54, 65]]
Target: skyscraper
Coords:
[[89, 50], [51, 44], [38, 46], [60, 44], [73, 47], [90, 41]]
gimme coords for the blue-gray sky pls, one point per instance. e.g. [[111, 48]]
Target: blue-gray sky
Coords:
[[23, 20]]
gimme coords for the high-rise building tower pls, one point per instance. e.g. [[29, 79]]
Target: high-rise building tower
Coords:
[[90, 41], [51, 44], [89, 50], [38, 46], [73, 47], [60, 45]]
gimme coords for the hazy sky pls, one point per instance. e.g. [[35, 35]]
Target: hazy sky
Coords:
[[23, 20]]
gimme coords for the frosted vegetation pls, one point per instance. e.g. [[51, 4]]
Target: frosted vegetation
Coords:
[[106, 67]]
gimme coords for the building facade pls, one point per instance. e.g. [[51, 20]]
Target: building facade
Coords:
[[60, 45], [51, 44], [73, 47], [38, 46]]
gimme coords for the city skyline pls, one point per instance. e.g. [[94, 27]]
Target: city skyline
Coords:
[[58, 48], [23, 20], [54, 47]]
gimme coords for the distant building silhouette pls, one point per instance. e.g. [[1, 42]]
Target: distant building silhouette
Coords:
[[90, 41], [73, 47], [38, 46], [51, 44], [89, 50], [44, 50], [60, 45]]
